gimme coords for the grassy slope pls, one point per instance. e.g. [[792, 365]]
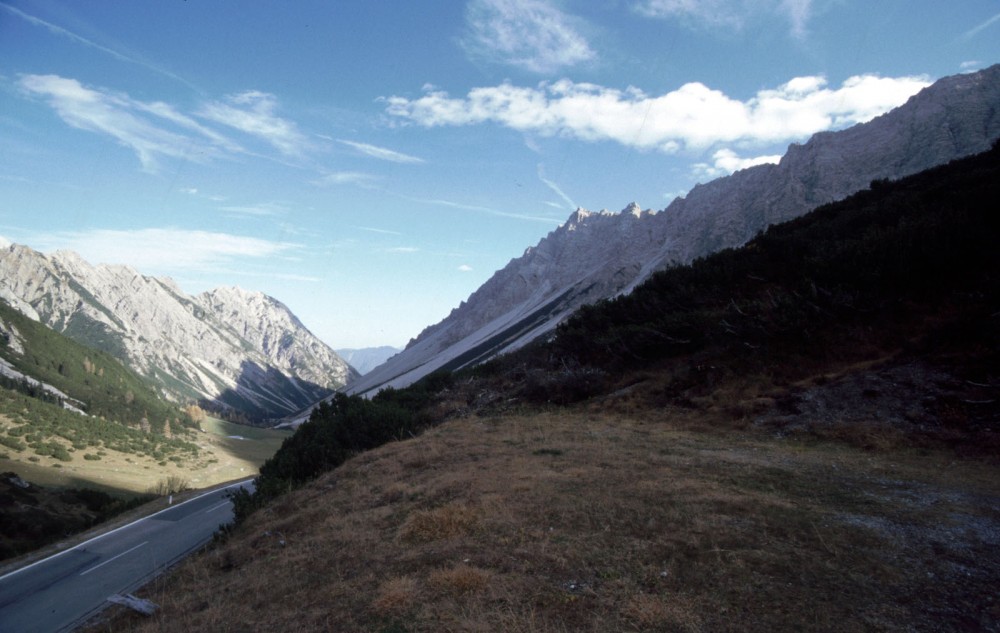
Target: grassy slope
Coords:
[[590, 522], [696, 489]]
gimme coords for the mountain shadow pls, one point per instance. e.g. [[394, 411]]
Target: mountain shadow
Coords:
[[263, 395]]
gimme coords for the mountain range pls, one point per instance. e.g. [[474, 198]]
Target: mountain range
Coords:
[[599, 255], [246, 353], [230, 349]]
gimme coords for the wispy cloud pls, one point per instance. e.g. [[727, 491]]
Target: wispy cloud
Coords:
[[979, 28], [382, 153], [531, 34], [692, 116], [729, 14], [73, 37], [402, 249], [480, 209], [261, 209], [372, 229], [555, 188], [196, 193], [163, 250], [155, 130], [358, 178], [253, 112], [135, 124], [465, 268]]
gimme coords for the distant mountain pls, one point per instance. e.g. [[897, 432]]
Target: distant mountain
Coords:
[[600, 255], [234, 349], [367, 358]]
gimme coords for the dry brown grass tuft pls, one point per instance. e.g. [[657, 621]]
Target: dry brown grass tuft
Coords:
[[459, 580], [395, 597], [662, 612], [448, 521]]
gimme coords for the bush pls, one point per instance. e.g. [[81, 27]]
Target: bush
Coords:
[[13, 443], [171, 485], [336, 430]]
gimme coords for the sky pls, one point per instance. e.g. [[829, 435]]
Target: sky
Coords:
[[371, 163]]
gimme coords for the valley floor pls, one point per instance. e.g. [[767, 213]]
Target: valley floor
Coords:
[[594, 521], [47, 501]]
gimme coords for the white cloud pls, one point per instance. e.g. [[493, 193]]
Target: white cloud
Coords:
[[134, 124], [253, 112], [159, 250], [726, 161], [729, 14], [692, 116], [530, 34], [382, 153], [465, 268], [403, 249]]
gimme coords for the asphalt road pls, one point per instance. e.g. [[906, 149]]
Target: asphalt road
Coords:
[[59, 592]]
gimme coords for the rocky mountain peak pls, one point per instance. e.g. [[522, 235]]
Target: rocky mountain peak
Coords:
[[599, 255], [632, 209], [229, 347]]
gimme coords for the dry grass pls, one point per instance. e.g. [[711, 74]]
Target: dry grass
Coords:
[[222, 458], [600, 522], [448, 521]]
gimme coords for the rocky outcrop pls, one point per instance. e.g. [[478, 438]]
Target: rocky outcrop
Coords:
[[600, 255], [236, 349]]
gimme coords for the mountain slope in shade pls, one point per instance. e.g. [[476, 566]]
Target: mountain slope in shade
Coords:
[[235, 349], [599, 255]]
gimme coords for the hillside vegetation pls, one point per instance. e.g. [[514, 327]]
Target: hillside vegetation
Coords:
[[117, 444], [98, 383], [800, 434]]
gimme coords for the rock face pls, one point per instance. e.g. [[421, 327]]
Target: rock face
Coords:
[[236, 349], [599, 255]]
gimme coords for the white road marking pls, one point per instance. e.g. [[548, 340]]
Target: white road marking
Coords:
[[214, 508], [110, 532], [98, 566]]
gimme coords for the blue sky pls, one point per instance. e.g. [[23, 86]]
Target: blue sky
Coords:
[[372, 163]]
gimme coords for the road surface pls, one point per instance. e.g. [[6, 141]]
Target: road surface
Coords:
[[57, 593]]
